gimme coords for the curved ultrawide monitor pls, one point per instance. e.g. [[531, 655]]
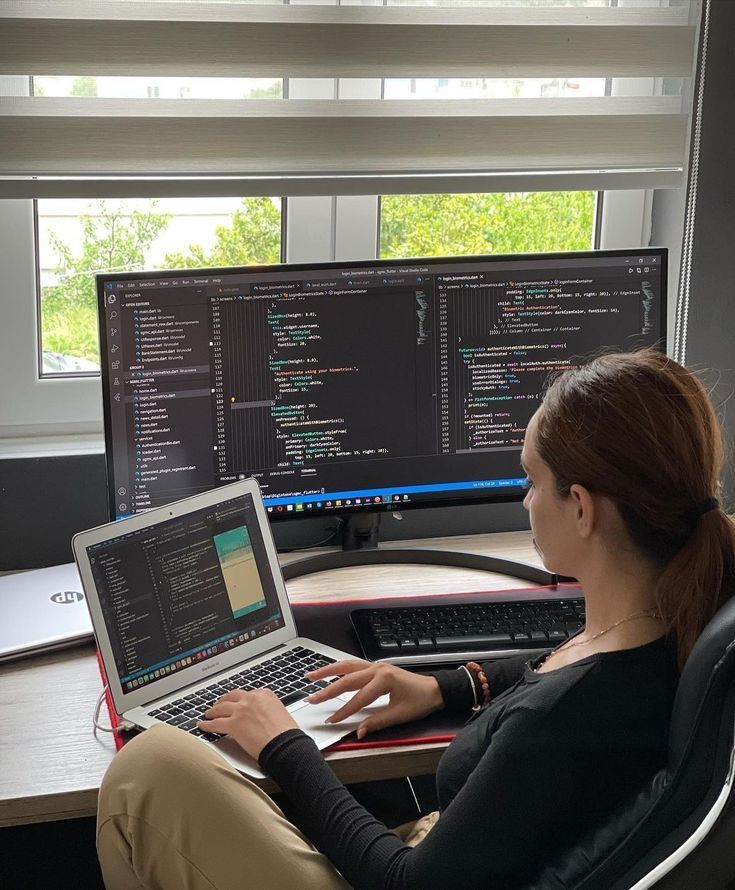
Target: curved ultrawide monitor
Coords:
[[346, 387]]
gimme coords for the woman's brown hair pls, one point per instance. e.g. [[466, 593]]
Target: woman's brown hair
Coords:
[[640, 429]]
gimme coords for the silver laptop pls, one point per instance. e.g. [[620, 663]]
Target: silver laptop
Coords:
[[187, 602], [42, 610]]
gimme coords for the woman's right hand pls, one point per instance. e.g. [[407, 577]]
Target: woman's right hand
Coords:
[[412, 696]]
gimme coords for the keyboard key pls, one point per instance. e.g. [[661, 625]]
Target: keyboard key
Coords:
[[557, 633], [294, 696], [471, 641], [201, 734]]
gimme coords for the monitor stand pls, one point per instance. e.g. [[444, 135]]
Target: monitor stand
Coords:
[[360, 548]]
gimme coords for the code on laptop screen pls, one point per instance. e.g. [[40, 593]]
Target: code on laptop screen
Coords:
[[185, 590]]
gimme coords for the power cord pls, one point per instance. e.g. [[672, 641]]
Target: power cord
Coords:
[[124, 726]]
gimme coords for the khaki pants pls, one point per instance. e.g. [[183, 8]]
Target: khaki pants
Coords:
[[173, 814]]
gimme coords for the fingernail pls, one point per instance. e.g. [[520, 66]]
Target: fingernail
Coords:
[[361, 733]]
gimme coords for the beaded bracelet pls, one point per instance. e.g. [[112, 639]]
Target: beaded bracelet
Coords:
[[482, 680]]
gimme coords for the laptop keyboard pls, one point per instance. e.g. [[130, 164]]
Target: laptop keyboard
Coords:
[[284, 674]]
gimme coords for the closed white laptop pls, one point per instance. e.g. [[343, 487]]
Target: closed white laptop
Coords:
[[187, 602], [42, 610]]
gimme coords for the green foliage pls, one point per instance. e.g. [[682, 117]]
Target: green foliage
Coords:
[[71, 331], [253, 237], [455, 225], [274, 91], [86, 85], [114, 240]]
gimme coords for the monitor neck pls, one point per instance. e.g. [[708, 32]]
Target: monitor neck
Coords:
[[361, 531]]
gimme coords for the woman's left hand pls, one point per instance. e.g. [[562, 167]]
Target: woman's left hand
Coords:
[[251, 718]]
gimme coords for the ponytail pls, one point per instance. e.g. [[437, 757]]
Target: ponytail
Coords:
[[697, 581]]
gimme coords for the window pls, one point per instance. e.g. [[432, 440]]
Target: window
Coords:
[[495, 87], [117, 87], [76, 239]]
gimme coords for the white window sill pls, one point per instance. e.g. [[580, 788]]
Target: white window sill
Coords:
[[52, 446]]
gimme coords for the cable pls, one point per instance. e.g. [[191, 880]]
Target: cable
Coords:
[[123, 727], [413, 794]]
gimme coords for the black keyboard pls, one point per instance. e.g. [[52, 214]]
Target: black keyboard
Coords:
[[459, 632], [284, 674]]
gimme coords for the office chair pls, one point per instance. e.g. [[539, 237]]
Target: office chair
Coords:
[[678, 833]]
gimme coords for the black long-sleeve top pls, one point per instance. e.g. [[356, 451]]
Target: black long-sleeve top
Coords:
[[550, 756]]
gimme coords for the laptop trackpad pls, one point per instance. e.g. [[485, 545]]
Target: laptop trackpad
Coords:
[[311, 718]]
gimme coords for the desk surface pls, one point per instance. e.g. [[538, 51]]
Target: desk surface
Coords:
[[52, 762]]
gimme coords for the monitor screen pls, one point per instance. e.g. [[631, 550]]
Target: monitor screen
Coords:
[[349, 387]]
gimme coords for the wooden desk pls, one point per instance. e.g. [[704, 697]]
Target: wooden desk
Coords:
[[52, 762]]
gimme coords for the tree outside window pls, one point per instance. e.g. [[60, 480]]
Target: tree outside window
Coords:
[[457, 225], [114, 237]]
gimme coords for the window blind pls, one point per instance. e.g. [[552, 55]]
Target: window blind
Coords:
[[105, 146]]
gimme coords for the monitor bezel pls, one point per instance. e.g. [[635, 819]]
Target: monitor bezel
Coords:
[[514, 496]]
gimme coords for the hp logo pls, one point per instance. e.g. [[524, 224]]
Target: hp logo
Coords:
[[64, 597]]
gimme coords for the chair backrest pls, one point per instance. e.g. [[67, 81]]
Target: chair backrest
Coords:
[[665, 818]]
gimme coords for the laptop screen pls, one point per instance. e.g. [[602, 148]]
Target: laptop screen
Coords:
[[184, 590]]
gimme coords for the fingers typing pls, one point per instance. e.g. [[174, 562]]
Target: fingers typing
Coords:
[[347, 683], [337, 669]]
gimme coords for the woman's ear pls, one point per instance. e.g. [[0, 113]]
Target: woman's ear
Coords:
[[584, 507]]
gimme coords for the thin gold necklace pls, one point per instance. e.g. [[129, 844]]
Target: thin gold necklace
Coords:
[[644, 613]]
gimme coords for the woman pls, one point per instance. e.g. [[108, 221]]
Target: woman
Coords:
[[623, 459]]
